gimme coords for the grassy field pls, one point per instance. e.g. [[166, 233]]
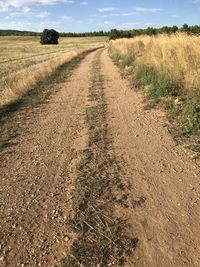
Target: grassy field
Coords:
[[24, 61], [168, 68]]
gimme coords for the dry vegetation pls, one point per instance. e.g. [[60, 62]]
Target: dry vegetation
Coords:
[[23, 61], [179, 55], [168, 68]]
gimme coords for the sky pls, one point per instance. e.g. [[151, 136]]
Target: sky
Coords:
[[93, 15]]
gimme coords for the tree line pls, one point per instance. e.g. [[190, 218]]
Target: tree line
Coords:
[[18, 33], [114, 33]]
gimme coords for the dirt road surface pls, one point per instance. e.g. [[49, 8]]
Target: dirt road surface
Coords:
[[36, 184], [165, 180], [38, 174]]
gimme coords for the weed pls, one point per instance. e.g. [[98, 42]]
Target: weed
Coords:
[[122, 60], [144, 76], [156, 83], [191, 117]]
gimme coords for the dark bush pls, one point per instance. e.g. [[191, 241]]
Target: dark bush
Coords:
[[49, 37]]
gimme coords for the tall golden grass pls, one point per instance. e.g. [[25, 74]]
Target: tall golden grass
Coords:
[[178, 54], [24, 62]]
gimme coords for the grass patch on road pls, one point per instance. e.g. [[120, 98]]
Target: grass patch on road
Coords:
[[103, 239]]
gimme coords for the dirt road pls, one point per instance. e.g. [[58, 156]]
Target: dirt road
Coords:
[[36, 184], [38, 176]]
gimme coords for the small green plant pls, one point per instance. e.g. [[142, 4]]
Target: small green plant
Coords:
[[125, 61], [115, 57], [144, 76], [191, 117], [156, 83], [122, 61]]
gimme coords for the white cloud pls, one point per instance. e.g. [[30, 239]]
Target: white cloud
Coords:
[[128, 25], [148, 10], [3, 6], [42, 15], [33, 26], [107, 9], [7, 4], [114, 15], [108, 22], [175, 16], [66, 17], [152, 24], [25, 11], [84, 3], [106, 25]]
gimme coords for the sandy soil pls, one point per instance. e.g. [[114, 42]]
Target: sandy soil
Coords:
[[37, 178], [165, 186], [38, 174]]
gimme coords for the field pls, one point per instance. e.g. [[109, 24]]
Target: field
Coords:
[[177, 55], [24, 61], [168, 68]]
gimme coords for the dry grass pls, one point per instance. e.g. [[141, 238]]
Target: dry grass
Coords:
[[23, 61], [178, 55]]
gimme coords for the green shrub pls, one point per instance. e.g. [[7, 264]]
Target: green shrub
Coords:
[[125, 61], [191, 117], [122, 61], [157, 83], [144, 76], [115, 57]]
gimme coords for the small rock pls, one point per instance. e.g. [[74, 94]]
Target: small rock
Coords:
[[66, 238]]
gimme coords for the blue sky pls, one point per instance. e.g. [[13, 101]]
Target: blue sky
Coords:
[[90, 15]]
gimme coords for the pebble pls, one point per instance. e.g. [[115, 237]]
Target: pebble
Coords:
[[66, 238]]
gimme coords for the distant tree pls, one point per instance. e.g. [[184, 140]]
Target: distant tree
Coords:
[[114, 34], [174, 29], [185, 28], [151, 31], [49, 37], [195, 29]]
